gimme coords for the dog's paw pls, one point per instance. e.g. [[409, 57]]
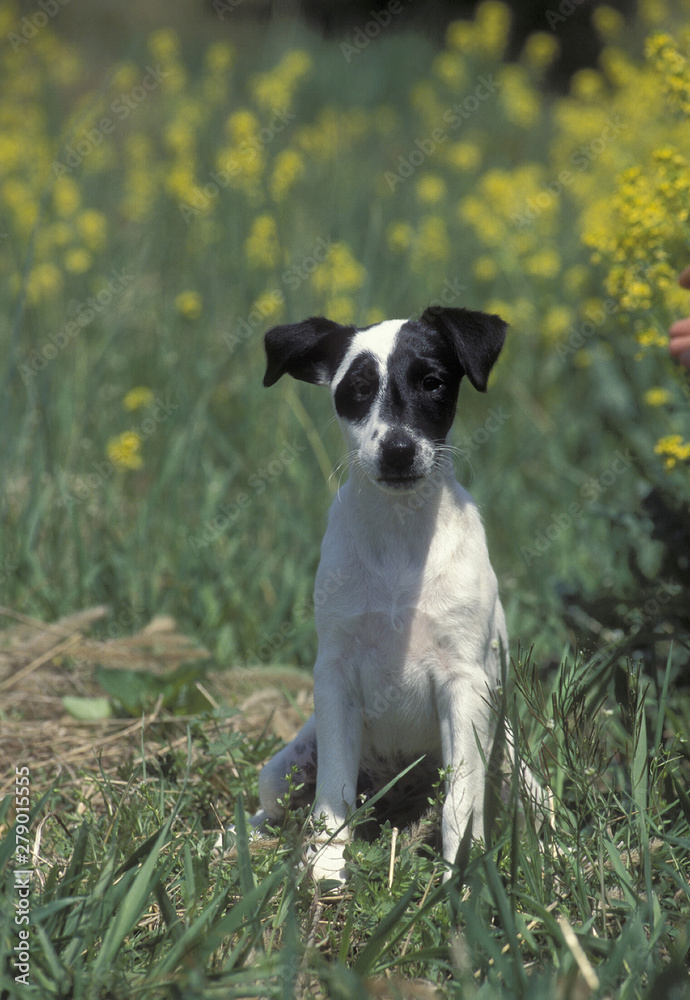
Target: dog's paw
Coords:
[[327, 863]]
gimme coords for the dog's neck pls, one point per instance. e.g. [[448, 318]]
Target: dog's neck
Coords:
[[381, 516]]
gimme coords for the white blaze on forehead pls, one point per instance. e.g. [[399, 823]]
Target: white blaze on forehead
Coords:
[[378, 340]]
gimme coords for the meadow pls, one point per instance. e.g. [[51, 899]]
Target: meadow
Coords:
[[159, 210]]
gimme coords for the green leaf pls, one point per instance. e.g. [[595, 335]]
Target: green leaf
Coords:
[[87, 708]]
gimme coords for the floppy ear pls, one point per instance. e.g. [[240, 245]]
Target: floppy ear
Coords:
[[476, 337], [310, 350]]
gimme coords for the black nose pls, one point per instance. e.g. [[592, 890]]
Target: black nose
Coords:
[[397, 453]]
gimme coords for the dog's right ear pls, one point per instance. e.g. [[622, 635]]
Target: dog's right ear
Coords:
[[311, 350]]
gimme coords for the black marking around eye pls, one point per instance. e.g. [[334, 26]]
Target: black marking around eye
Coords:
[[357, 389]]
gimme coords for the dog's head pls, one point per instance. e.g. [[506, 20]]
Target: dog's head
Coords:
[[394, 385]]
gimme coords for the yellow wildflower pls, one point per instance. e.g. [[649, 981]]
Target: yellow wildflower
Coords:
[[399, 236], [492, 20], [673, 449], [338, 273], [262, 246], [431, 188], [540, 50], [43, 282], [124, 450], [218, 57], [92, 227], [66, 197], [608, 22], [164, 44], [657, 396], [269, 304], [288, 168], [138, 398], [189, 304], [450, 67], [463, 155], [485, 268], [78, 260], [341, 309]]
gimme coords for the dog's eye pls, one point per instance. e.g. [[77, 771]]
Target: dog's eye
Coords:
[[430, 383], [364, 384]]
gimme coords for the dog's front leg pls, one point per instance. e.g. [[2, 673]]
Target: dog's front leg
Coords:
[[465, 716], [339, 740]]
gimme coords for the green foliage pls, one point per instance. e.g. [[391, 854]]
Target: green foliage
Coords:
[[135, 899]]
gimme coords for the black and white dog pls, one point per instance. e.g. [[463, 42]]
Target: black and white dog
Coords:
[[409, 622]]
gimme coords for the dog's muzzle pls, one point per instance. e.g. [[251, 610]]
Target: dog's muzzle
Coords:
[[397, 460]]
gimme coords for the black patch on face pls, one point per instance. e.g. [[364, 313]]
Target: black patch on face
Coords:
[[422, 382], [358, 388]]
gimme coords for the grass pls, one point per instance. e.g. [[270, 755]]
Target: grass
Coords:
[[142, 574]]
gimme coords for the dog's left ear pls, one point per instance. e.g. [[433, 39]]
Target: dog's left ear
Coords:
[[310, 350], [477, 338]]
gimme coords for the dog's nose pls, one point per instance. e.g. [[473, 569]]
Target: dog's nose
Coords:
[[397, 452]]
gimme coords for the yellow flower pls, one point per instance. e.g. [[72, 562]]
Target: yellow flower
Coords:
[[288, 168], [399, 236], [262, 246], [78, 260], [340, 309], [673, 449], [189, 304], [450, 67], [431, 245], [485, 268], [657, 396], [608, 22], [587, 85], [138, 398], [92, 227], [43, 282], [460, 35], [275, 90], [545, 264], [431, 188], [492, 19], [66, 197], [124, 450], [463, 155], [164, 44], [218, 57], [338, 273], [540, 50], [269, 304]]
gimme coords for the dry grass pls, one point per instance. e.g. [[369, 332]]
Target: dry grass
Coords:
[[41, 663]]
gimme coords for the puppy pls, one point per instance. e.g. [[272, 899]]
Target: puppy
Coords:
[[409, 622]]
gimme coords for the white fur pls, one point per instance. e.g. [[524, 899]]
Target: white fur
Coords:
[[409, 634]]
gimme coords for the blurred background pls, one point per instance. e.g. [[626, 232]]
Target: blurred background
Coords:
[[174, 179]]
